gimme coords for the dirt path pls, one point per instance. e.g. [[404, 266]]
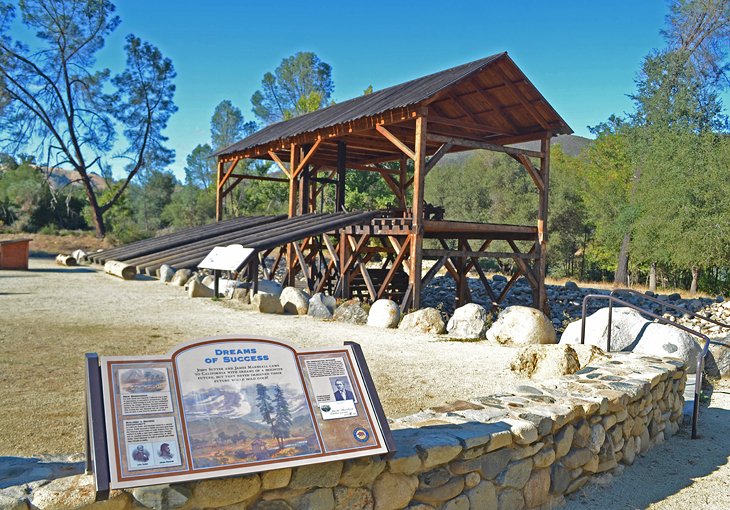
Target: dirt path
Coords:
[[51, 315]]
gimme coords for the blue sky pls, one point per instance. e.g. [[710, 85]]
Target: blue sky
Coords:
[[582, 55]]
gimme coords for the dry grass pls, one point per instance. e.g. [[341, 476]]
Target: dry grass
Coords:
[[45, 244]]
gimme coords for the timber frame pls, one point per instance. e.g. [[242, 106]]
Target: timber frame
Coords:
[[487, 104]]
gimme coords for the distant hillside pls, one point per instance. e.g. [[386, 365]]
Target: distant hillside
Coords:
[[572, 145], [59, 177]]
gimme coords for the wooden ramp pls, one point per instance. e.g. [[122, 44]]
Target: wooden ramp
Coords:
[[187, 248]]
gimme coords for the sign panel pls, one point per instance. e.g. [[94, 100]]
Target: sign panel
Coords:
[[226, 258], [234, 405]]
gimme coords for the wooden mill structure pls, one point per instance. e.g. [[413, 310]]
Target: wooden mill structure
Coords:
[[487, 104]]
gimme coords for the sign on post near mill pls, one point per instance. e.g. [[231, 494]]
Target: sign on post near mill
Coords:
[[235, 405]]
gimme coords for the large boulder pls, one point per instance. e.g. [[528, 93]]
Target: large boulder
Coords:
[[166, 273], [181, 277], [321, 306], [522, 325], [663, 340], [426, 320], [352, 312], [384, 313], [546, 361], [468, 321], [269, 287], [294, 301], [266, 303], [626, 326]]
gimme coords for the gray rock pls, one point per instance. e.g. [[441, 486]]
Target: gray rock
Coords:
[[352, 312], [717, 363], [545, 361], [674, 297], [384, 313], [162, 497], [321, 306], [181, 277], [468, 321], [571, 286], [522, 325], [499, 278], [294, 301], [426, 320]]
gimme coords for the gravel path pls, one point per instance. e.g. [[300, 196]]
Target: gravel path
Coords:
[[50, 316]]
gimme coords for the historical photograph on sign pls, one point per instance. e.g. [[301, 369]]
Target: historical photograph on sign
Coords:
[[151, 443], [244, 405], [144, 391], [329, 380]]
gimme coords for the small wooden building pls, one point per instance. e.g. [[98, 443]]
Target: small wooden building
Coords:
[[487, 104]]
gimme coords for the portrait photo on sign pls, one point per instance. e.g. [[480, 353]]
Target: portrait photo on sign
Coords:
[[342, 389], [140, 456]]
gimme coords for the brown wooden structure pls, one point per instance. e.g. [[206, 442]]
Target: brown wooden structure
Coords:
[[487, 104]]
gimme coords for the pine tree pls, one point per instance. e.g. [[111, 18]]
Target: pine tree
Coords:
[[282, 421]]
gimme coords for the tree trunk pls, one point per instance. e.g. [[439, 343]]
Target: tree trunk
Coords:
[[622, 269], [695, 276], [652, 277]]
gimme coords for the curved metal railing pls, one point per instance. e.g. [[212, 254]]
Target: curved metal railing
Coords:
[[700, 359]]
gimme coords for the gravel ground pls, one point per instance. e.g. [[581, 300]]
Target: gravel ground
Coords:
[[50, 316]]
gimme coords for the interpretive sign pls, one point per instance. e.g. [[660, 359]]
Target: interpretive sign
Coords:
[[226, 258], [234, 405]]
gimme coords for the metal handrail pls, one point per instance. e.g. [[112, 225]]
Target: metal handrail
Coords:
[[700, 359]]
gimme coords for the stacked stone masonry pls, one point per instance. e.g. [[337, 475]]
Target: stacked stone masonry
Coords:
[[523, 450]]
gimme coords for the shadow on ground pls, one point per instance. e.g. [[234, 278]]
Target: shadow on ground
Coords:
[[16, 471]]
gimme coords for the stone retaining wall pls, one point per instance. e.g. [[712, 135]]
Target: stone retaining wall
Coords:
[[526, 449]]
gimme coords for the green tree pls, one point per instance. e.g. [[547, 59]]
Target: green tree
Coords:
[[61, 102], [149, 198], [264, 405], [282, 421], [227, 125], [302, 83], [200, 170]]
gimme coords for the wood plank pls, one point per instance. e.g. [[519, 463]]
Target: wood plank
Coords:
[[279, 163], [218, 197], [395, 141], [476, 144], [305, 160], [228, 173], [341, 171], [521, 97], [440, 153], [480, 127], [414, 276], [402, 251], [534, 172], [465, 227], [481, 254]]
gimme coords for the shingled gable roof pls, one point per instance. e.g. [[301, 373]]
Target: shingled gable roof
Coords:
[[404, 95]]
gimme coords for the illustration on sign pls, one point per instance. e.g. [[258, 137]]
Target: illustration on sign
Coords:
[[226, 406]]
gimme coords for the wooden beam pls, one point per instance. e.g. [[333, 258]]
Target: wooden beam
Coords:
[[419, 174], [534, 172], [476, 144], [228, 173], [279, 163], [341, 171], [305, 160], [463, 124], [395, 141], [440, 153], [470, 253], [402, 252], [521, 97], [542, 228], [218, 197]]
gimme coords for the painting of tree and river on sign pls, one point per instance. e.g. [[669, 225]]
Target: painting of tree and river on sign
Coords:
[[242, 406]]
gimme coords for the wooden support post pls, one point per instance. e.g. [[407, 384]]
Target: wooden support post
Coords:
[[414, 278], [403, 167], [293, 163], [461, 281], [341, 169], [542, 230], [304, 188], [345, 252], [218, 196]]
